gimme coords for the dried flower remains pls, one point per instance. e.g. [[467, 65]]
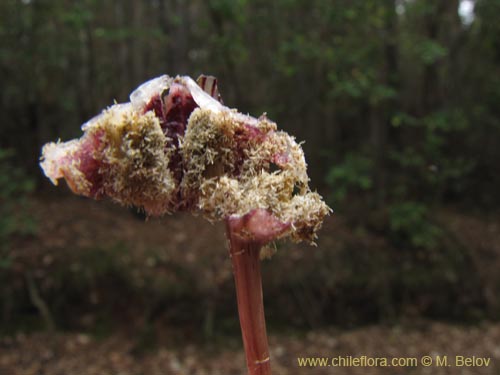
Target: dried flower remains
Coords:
[[176, 147]]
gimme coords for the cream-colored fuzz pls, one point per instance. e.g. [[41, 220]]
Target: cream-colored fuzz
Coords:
[[138, 160], [132, 154], [224, 174], [210, 141]]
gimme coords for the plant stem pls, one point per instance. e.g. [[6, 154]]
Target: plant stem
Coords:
[[246, 269]]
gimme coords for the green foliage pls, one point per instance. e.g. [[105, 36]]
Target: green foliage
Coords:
[[429, 51], [399, 111], [439, 167], [410, 224], [14, 220], [350, 176]]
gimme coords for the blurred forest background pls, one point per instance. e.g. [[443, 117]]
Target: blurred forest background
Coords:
[[397, 102]]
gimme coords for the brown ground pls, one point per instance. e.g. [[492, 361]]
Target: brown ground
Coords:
[[69, 224], [79, 354]]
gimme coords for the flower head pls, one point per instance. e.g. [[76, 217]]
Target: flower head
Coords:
[[176, 147]]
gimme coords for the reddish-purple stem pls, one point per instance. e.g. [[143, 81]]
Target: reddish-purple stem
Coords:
[[246, 268]]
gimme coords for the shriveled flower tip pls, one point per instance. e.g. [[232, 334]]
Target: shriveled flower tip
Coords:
[[176, 147], [258, 226]]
